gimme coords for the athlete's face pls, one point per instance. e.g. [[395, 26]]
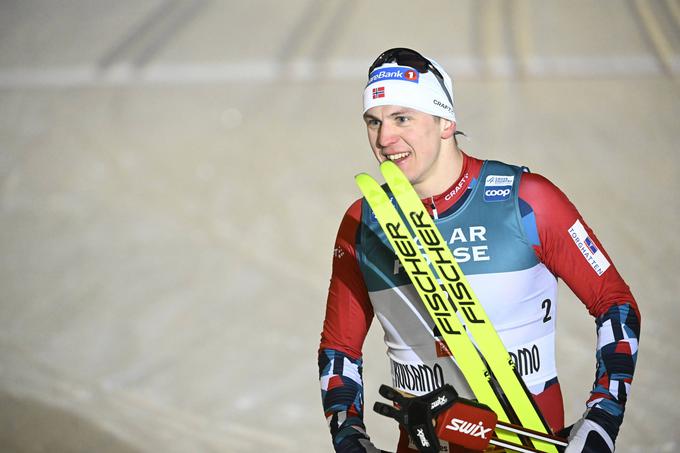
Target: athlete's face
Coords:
[[410, 138]]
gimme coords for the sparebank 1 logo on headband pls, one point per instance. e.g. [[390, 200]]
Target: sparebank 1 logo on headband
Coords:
[[394, 73], [498, 187]]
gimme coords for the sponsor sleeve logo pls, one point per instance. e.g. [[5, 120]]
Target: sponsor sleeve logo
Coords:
[[588, 249], [338, 252], [394, 73], [497, 187]]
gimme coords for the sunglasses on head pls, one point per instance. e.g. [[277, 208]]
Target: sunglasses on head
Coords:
[[407, 57]]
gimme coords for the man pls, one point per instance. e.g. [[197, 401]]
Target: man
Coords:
[[512, 232]]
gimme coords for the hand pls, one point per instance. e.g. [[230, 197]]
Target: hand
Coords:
[[589, 437], [417, 414], [358, 442]]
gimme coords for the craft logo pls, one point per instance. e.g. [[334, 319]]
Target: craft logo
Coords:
[[394, 73], [498, 188], [442, 105], [459, 186], [588, 249], [378, 92]]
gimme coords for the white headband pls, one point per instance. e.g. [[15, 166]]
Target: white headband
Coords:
[[392, 84]]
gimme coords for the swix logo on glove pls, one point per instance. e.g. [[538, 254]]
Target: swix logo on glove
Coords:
[[421, 437], [469, 428], [439, 402], [467, 424]]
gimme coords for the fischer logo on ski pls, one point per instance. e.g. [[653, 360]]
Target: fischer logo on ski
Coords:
[[453, 295]]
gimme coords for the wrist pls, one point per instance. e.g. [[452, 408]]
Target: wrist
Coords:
[[610, 423]]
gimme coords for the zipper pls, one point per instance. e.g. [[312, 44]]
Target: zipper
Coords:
[[435, 215]]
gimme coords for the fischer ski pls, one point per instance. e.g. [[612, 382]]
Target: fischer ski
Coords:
[[434, 298], [460, 297]]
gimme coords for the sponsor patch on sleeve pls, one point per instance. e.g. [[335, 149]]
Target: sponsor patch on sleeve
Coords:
[[589, 250]]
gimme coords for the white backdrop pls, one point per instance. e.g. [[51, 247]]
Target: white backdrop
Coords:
[[173, 173]]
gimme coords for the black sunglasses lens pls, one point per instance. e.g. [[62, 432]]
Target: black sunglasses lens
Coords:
[[404, 57], [412, 60]]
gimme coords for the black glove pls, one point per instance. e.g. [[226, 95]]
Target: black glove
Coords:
[[594, 433], [357, 444], [417, 414]]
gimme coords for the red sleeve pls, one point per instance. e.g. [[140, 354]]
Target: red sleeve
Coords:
[[573, 254], [348, 309]]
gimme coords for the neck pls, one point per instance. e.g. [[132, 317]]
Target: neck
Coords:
[[443, 173]]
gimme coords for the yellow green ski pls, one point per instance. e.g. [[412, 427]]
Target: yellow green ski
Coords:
[[452, 298]]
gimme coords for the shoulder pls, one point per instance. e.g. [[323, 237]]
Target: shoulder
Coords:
[[537, 190], [349, 227], [352, 217], [354, 209]]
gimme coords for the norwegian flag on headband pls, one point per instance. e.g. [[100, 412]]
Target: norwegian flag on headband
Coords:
[[378, 92]]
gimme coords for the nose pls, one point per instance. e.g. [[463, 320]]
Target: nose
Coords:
[[386, 136]]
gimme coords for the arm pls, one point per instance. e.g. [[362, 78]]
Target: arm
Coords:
[[348, 317], [570, 249]]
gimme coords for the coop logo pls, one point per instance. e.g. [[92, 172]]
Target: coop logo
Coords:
[[498, 188], [394, 73]]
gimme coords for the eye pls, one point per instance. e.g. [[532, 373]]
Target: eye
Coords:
[[402, 119], [372, 123]]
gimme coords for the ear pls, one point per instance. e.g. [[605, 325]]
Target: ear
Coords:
[[447, 128]]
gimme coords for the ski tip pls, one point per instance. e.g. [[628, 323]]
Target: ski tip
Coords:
[[363, 179], [392, 172], [388, 165]]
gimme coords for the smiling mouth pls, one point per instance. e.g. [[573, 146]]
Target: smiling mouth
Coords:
[[398, 156]]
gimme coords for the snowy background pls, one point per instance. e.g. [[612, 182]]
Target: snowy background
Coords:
[[173, 173]]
